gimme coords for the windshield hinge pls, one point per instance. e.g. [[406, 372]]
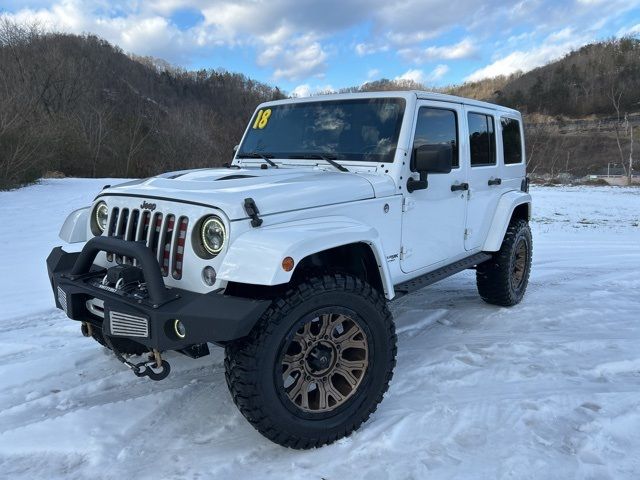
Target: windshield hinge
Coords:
[[252, 210], [408, 204]]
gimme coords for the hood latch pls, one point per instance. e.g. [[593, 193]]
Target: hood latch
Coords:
[[252, 210]]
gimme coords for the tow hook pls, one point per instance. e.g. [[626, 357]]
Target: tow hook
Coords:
[[155, 367]]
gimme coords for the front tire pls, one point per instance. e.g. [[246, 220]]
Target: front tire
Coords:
[[504, 279], [317, 363]]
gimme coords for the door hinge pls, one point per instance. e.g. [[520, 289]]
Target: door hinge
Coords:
[[467, 233], [408, 204], [405, 253]]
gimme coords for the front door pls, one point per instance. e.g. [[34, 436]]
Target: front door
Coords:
[[434, 218]]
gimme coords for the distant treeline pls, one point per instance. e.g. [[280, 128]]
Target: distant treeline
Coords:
[[80, 106]]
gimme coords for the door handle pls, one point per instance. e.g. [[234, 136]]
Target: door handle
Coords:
[[495, 181], [460, 186]]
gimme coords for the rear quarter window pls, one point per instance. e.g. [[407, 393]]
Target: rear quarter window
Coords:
[[482, 139], [511, 140]]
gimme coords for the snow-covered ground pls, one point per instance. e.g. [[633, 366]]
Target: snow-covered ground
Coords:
[[547, 389]]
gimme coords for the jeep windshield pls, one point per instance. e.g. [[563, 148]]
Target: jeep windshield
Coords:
[[360, 129]]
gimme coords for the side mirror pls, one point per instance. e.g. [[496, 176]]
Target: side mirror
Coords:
[[429, 159]]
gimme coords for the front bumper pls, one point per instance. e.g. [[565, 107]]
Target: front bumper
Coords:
[[147, 315]]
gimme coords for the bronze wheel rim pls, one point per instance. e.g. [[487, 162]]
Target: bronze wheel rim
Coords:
[[519, 265], [324, 363]]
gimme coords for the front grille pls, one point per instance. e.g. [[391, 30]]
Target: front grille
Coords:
[[127, 325], [157, 230]]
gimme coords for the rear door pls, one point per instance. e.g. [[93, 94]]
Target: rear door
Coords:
[[434, 218], [485, 174]]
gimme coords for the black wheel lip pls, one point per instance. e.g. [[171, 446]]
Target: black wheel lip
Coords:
[[356, 396]]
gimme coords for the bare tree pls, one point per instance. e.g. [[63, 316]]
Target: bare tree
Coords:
[[94, 129], [622, 127]]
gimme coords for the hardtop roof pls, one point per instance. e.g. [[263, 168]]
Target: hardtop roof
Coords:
[[418, 94]]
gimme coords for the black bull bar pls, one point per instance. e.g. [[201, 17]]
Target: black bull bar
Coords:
[[206, 317]]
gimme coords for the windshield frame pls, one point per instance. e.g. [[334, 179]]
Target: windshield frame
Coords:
[[303, 157]]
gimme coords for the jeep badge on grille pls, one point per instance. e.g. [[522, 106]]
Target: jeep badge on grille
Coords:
[[148, 206]]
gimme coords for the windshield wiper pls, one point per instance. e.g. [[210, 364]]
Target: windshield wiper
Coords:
[[330, 159], [264, 156]]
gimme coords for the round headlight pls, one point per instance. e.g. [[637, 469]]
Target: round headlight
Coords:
[[100, 215], [213, 235]]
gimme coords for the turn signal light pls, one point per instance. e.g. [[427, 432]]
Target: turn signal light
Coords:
[[287, 264]]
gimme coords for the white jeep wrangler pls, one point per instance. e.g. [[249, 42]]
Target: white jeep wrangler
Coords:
[[332, 207]]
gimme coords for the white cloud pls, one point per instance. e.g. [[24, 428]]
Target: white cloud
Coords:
[[418, 76], [554, 46], [363, 49], [144, 28], [303, 90], [143, 35], [306, 90], [296, 39], [466, 48], [629, 31], [413, 75], [302, 57], [438, 72]]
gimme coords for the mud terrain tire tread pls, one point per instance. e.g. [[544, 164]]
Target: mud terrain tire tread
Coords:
[[493, 277], [242, 361]]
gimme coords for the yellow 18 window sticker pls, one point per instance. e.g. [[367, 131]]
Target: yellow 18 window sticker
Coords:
[[262, 118]]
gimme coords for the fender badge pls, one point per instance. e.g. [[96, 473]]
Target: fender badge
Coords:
[[148, 206]]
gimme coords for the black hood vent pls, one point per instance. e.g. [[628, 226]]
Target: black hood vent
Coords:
[[235, 177]]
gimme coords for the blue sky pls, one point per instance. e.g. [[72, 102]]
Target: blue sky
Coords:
[[305, 46]]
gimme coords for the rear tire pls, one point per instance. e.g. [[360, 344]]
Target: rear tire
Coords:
[[287, 378], [504, 279]]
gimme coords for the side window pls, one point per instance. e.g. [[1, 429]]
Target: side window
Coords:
[[482, 139], [437, 126], [511, 141]]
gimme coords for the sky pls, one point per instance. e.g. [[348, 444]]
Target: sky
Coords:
[[305, 46]]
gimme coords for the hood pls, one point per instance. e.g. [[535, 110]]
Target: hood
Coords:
[[274, 190]]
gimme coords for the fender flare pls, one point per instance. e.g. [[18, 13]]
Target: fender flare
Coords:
[[255, 257], [75, 228], [502, 216]]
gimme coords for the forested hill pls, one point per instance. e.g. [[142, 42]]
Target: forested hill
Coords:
[[80, 106], [596, 79]]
